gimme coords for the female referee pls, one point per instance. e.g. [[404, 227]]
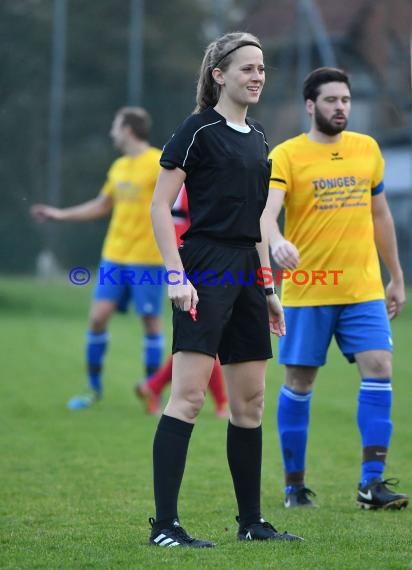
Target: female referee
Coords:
[[221, 157]]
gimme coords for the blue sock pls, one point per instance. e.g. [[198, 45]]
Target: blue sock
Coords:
[[375, 425], [153, 352], [96, 344], [293, 424]]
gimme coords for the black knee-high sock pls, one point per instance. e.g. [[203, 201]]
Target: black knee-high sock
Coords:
[[169, 459], [244, 454]]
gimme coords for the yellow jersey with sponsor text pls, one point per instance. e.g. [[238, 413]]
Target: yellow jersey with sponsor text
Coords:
[[328, 217], [130, 183]]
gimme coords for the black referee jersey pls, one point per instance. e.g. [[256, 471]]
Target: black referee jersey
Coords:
[[227, 176]]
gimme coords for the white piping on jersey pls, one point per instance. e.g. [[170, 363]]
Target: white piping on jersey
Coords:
[[194, 136], [260, 132]]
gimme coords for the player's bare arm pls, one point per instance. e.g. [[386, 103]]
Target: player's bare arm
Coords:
[[168, 186], [385, 239], [99, 207]]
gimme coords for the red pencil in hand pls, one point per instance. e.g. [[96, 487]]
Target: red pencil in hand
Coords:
[[193, 313]]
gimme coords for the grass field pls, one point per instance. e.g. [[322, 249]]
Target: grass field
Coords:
[[76, 487]]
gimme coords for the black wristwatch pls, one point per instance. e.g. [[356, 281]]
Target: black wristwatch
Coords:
[[270, 291]]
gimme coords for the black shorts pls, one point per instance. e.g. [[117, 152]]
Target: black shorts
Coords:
[[232, 315]]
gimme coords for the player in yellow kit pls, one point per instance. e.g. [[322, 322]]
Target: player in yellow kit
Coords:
[[131, 262], [330, 183]]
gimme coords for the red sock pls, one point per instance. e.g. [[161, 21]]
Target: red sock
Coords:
[[216, 385], [163, 376]]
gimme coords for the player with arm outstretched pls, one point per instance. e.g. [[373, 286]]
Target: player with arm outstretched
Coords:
[[129, 248]]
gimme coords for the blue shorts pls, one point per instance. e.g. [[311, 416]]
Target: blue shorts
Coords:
[[120, 283], [357, 328]]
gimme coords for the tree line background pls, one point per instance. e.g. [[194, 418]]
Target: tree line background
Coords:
[[175, 35]]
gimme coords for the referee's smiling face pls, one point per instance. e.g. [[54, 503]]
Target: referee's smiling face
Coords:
[[243, 80]]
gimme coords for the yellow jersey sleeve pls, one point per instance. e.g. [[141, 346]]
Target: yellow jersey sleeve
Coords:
[[109, 186], [281, 172], [377, 178]]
